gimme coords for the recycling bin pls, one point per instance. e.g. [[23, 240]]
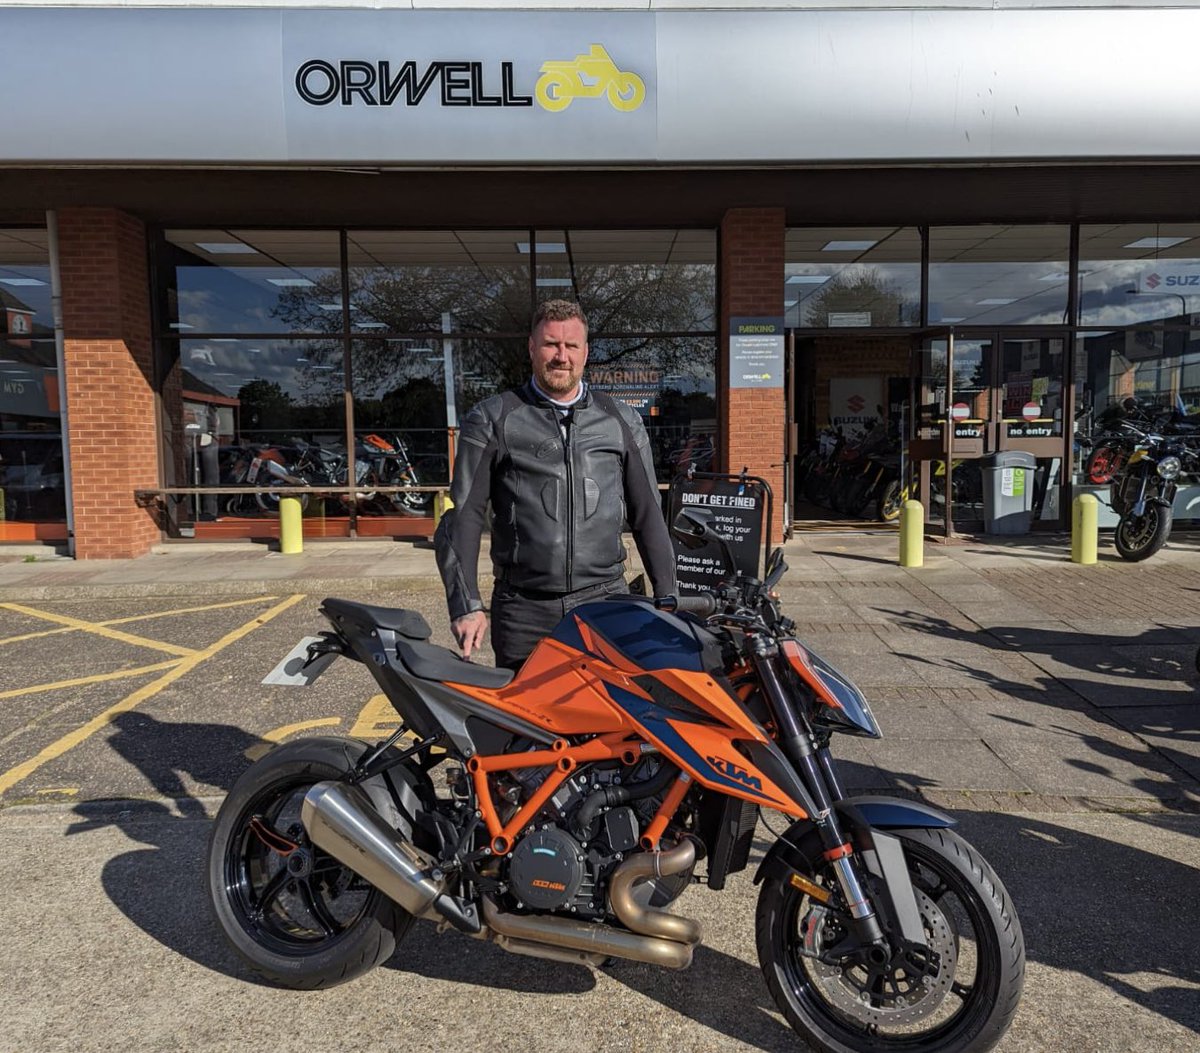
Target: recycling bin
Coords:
[[1008, 485]]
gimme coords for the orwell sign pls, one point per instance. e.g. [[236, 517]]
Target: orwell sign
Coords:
[[494, 87], [385, 83]]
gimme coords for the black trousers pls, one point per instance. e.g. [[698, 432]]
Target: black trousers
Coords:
[[521, 618]]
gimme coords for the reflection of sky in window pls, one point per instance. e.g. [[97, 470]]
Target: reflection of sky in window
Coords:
[[309, 372], [233, 300], [805, 284], [1128, 292]]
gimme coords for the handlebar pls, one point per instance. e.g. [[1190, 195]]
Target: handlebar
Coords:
[[701, 604]]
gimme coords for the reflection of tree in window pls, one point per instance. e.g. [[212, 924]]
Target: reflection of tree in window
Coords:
[[857, 290]]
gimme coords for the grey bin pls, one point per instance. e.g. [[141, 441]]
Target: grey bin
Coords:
[[1008, 484]]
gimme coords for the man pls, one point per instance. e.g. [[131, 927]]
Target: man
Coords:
[[564, 467]]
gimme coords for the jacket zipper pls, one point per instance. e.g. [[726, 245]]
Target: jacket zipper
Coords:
[[566, 430]]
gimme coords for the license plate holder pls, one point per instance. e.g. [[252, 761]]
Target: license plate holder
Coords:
[[292, 671]]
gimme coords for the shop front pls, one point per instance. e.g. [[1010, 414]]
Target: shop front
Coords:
[[787, 230]]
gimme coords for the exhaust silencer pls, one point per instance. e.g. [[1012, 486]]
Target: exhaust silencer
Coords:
[[341, 820]]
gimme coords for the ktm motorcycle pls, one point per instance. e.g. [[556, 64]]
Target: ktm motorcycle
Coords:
[[559, 812]]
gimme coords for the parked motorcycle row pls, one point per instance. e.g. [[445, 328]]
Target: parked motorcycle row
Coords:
[[378, 462], [854, 476], [1143, 452]]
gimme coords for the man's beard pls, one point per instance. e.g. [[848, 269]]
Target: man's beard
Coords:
[[558, 381]]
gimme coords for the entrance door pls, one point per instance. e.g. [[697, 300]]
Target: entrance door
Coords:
[[999, 391]]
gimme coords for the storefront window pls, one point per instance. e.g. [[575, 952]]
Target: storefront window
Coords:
[[984, 275], [1031, 392], [852, 277], [633, 281], [671, 382], [1134, 273], [459, 281], [969, 403], [32, 479], [435, 321], [246, 281]]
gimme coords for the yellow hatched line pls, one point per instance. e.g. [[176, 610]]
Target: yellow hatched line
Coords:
[[138, 618], [56, 749], [98, 678], [100, 630]]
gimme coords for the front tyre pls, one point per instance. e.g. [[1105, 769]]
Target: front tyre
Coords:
[[294, 914], [1139, 537], [964, 1005]]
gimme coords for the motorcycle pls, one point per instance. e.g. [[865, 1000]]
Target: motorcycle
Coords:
[[1143, 495], [575, 800], [268, 467]]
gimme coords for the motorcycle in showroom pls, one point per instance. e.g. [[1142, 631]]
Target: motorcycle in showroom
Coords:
[[558, 813]]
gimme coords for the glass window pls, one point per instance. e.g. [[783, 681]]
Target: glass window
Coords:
[[1134, 273], [32, 479], [970, 407], [631, 281], [671, 382], [985, 275], [439, 281], [246, 281], [852, 277], [1031, 392]]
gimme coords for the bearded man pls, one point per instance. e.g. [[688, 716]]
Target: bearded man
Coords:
[[565, 468]]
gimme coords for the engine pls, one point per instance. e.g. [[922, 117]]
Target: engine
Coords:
[[563, 863]]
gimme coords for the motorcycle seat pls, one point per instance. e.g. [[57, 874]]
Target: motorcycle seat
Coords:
[[428, 661], [406, 623]]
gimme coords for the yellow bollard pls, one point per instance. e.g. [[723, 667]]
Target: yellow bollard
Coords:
[[912, 534], [291, 529], [1085, 519], [441, 505]]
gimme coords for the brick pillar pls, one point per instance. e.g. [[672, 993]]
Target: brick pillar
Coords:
[[752, 419], [110, 380]]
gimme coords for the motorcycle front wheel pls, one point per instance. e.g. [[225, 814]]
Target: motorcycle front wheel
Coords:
[[964, 1004], [1139, 537], [293, 913]]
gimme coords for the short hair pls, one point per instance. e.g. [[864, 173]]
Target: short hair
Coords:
[[558, 311]]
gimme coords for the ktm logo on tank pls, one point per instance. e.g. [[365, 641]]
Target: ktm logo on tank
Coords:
[[735, 772], [350, 82]]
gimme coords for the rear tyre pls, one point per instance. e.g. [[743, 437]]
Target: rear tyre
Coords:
[[1139, 537], [293, 913], [965, 1004]]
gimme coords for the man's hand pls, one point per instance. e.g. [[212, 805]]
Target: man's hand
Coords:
[[468, 631]]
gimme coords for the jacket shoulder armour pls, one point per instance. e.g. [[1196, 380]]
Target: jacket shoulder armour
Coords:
[[626, 414]]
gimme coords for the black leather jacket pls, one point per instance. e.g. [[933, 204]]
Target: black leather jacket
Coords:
[[558, 504]]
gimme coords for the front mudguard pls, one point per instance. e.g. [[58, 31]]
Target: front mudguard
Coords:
[[865, 821]]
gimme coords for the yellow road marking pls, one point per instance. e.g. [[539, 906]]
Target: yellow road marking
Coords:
[[56, 749], [137, 618], [100, 630], [279, 734], [61, 791], [99, 678], [378, 717]]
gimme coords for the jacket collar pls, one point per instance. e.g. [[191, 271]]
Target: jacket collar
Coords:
[[531, 394]]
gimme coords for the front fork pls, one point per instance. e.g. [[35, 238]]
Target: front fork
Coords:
[[815, 767]]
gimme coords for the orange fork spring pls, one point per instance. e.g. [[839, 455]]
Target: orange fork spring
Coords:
[[666, 811]]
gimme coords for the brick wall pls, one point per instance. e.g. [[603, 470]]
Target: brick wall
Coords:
[[752, 419], [857, 356], [109, 380]]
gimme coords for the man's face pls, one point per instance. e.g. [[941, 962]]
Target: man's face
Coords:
[[558, 352]]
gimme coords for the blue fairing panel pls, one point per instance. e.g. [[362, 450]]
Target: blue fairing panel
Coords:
[[651, 638]]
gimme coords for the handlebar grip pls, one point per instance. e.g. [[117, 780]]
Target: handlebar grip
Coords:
[[702, 604]]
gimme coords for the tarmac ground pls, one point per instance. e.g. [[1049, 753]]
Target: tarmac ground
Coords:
[[1051, 708]]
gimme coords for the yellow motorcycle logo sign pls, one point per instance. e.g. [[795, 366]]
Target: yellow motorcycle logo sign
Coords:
[[587, 77]]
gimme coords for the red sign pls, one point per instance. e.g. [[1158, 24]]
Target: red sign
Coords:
[[960, 410], [1031, 411]]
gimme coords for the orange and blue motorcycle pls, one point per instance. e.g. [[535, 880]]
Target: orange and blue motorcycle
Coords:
[[559, 812]]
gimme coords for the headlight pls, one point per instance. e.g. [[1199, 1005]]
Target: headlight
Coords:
[[1168, 468]]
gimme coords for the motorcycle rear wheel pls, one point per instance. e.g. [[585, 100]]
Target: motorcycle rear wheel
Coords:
[[300, 919], [969, 1003], [1139, 537]]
